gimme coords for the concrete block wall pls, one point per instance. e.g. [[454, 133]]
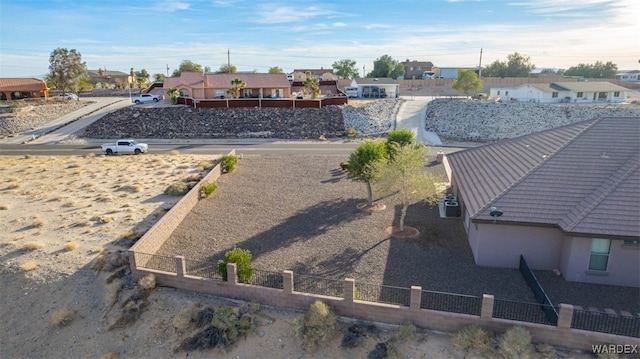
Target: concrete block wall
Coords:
[[155, 237], [562, 334]]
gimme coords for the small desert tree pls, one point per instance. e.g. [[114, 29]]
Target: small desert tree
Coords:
[[400, 136], [405, 180], [364, 161], [467, 81], [66, 69], [173, 92]]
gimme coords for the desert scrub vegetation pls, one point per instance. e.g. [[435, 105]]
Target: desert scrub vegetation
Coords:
[[62, 317], [205, 165], [4, 207], [406, 331], [228, 163], [29, 265], [147, 282], [177, 189], [242, 259], [356, 333], [32, 246], [316, 325], [70, 246], [473, 339], [515, 343], [207, 188]]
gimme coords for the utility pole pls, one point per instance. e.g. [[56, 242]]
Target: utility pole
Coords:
[[167, 70], [480, 64], [364, 72], [228, 62]]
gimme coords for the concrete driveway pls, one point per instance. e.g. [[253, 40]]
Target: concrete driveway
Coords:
[[412, 115]]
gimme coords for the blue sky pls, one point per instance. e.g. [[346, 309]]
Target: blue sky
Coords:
[[154, 34]]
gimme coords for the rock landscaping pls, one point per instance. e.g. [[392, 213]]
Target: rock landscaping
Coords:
[[29, 116], [484, 121]]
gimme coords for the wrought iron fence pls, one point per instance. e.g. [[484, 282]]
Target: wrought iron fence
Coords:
[[382, 294], [266, 278], [318, 285], [450, 302], [202, 269], [606, 323], [156, 262], [538, 292], [521, 311]]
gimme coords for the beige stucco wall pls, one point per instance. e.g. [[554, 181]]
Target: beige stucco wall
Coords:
[[498, 245], [623, 267]]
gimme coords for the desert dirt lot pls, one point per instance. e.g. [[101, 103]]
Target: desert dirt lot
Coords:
[[61, 215]]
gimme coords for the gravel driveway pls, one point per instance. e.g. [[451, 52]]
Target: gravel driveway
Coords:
[[298, 212]]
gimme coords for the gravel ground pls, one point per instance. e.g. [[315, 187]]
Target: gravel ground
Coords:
[[305, 219]]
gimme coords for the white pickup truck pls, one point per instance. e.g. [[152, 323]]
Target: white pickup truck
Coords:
[[124, 147]]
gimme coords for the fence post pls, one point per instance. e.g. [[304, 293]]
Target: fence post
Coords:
[[565, 316], [487, 306], [349, 289], [181, 267], [416, 297], [287, 281], [232, 275]]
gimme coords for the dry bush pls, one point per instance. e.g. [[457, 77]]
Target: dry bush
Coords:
[[473, 339], [38, 222], [546, 350], [32, 246], [406, 331], [185, 317], [174, 152], [196, 177], [99, 249], [316, 325], [4, 207], [69, 204], [147, 282], [62, 317], [14, 185], [177, 189], [70, 246], [515, 343], [109, 355], [205, 165], [90, 155], [29, 265]]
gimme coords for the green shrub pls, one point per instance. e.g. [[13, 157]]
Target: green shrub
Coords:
[[515, 343], [316, 325], [473, 339], [207, 188], [242, 259], [228, 162], [177, 189], [406, 331]]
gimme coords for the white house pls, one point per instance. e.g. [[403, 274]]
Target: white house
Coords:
[[629, 76], [382, 87], [570, 92]]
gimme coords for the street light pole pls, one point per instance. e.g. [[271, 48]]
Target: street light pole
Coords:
[[130, 83]]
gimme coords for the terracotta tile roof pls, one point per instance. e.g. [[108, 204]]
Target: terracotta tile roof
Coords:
[[583, 178], [22, 84], [251, 80]]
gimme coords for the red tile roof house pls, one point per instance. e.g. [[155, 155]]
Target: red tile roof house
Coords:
[[19, 88], [201, 86], [569, 197]]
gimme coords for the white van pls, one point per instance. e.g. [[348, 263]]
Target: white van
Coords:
[[351, 92]]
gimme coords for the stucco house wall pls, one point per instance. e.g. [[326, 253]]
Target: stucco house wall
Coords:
[[622, 265], [546, 93]]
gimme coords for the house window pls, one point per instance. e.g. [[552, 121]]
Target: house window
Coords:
[[579, 94], [602, 95], [498, 93], [554, 95], [600, 249], [616, 94], [506, 93], [419, 68], [410, 68]]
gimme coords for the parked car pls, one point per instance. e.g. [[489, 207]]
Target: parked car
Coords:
[[124, 147], [69, 96], [146, 97]]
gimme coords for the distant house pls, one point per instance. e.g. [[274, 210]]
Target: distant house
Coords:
[[300, 75], [197, 85], [573, 92], [104, 77], [383, 87], [451, 72], [414, 70], [19, 88], [566, 198], [629, 76]]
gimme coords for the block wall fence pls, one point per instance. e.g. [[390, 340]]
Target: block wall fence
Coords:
[[562, 334]]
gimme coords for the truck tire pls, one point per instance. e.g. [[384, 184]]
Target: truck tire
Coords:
[[137, 102], [137, 151], [155, 100], [109, 152]]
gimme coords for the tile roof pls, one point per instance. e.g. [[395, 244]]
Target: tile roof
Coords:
[[251, 80], [598, 86], [22, 84], [583, 178]]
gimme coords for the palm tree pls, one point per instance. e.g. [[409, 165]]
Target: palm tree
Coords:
[[311, 86], [236, 86], [173, 92]]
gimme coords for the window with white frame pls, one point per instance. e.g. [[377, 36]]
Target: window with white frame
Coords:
[[554, 95], [616, 94], [600, 250], [579, 94]]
